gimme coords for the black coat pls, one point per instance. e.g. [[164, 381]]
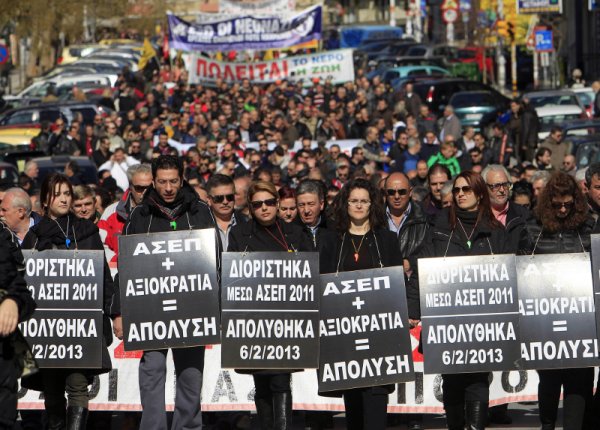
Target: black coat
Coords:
[[560, 242], [517, 218], [148, 218], [84, 235], [323, 233]]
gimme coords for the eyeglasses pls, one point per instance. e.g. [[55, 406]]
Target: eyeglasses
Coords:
[[466, 190], [496, 187], [359, 203], [257, 204], [566, 205], [223, 197], [212, 147], [140, 188], [401, 191]]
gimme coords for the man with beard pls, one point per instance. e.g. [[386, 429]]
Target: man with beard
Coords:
[[169, 204]]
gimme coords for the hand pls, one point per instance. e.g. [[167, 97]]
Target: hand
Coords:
[[118, 327], [413, 323], [9, 317]]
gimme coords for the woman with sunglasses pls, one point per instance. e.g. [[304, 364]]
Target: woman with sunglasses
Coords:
[[562, 224], [265, 232], [363, 242], [60, 229], [467, 228]]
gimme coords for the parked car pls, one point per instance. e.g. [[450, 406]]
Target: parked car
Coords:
[[438, 92], [586, 96], [553, 97], [410, 71], [34, 115], [72, 53], [553, 116], [57, 163], [8, 174], [18, 138], [478, 109]]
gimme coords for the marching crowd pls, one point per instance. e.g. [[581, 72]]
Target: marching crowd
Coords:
[[270, 168]]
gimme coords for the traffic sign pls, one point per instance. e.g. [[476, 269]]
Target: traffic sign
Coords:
[[450, 15], [4, 54], [543, 41]]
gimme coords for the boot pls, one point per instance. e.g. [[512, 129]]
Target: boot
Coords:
[[76, 418], [476, 415], [55, 418], [264, 410], [282, 411], [455, 416]]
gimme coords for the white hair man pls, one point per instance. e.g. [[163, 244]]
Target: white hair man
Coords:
[[16, 213]]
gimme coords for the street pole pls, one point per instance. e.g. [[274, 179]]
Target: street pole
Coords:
[[513, 67], [450, 33], [392, 13], [499, 54], [536, 70]]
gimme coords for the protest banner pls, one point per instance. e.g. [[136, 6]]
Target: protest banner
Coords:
[[169, 289], [470, 313], [336, 66], [256, 7], [65, 331], [246, 32], [270, 310], [596, 275], [364, 333], [556, 303]]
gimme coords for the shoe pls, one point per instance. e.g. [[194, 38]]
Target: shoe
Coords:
[[76, 418], [476, 415]]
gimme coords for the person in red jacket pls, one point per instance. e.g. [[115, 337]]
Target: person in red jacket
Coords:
[[115, 216]]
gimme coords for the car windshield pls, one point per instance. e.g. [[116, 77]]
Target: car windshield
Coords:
[[471, 99], [557, 100], [582, 131], [585, 98], [547, 122]]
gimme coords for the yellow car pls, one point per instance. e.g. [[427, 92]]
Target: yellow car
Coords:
[[72, 53], [19, 138]]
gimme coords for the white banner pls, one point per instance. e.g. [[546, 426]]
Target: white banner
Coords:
[[335, 65], [256, 7]]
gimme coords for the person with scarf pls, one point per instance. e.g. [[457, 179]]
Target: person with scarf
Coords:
[[169, 204], [60, 229], [466, 228], [363, 242], [265, 232]]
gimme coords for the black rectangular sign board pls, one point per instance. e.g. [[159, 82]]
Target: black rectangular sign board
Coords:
[[68, 286], [596, 275], [556, 302], [469, 314], [365, 339], [169, 289], [270, 304]]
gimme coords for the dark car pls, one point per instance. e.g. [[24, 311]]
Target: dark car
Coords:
[[57, 163], [9, 176], [437, 93], [478, 109], [51, 112]]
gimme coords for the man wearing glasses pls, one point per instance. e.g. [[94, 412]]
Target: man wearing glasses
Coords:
[[409, 223], [116, 215], [221, 200]]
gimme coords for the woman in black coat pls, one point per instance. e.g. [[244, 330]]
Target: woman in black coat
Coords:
[[562, 225], [467, 228], [264, 232], [60, 229], [363, 242]]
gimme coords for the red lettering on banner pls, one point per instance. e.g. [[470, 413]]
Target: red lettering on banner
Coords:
[[261, 70], [211, 70], [284, 63], [251, 72], [228, 75], [240, 72], [274, 71], [201, 67]]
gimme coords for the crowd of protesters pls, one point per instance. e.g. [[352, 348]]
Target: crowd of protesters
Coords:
[[329, 160]]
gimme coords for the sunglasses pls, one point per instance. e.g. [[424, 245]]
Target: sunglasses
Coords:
[[257, 204], [466, 190], [140, 188], [496, 187], [223, 197], [402, 192], [566, 205]]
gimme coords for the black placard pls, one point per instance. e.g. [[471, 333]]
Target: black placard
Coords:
[[68, 286], [270, 304], [596, 275], [169, 289], [365, 340], [556, 303], [469, 314]]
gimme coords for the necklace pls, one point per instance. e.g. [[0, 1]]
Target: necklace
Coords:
[[464, 231], [281, 241], [357, 250], [67, 240]]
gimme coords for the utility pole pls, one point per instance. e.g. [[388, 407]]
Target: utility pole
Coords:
[[393, 13], [500, 59]]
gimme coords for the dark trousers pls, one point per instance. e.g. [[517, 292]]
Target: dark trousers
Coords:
[[462, 388], [8, 391], [267, 385], [366, 408], [56, 382], [578, 386]]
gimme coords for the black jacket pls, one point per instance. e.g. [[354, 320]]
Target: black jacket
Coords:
[[148, 218], [323, 233], [83, 235], [517, 218], [252, 237], [560, 242]]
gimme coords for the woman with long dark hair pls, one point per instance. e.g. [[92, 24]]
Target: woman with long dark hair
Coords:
[[265, 232], [562, 224], [363, 242], [466, 228], [60, 229]]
